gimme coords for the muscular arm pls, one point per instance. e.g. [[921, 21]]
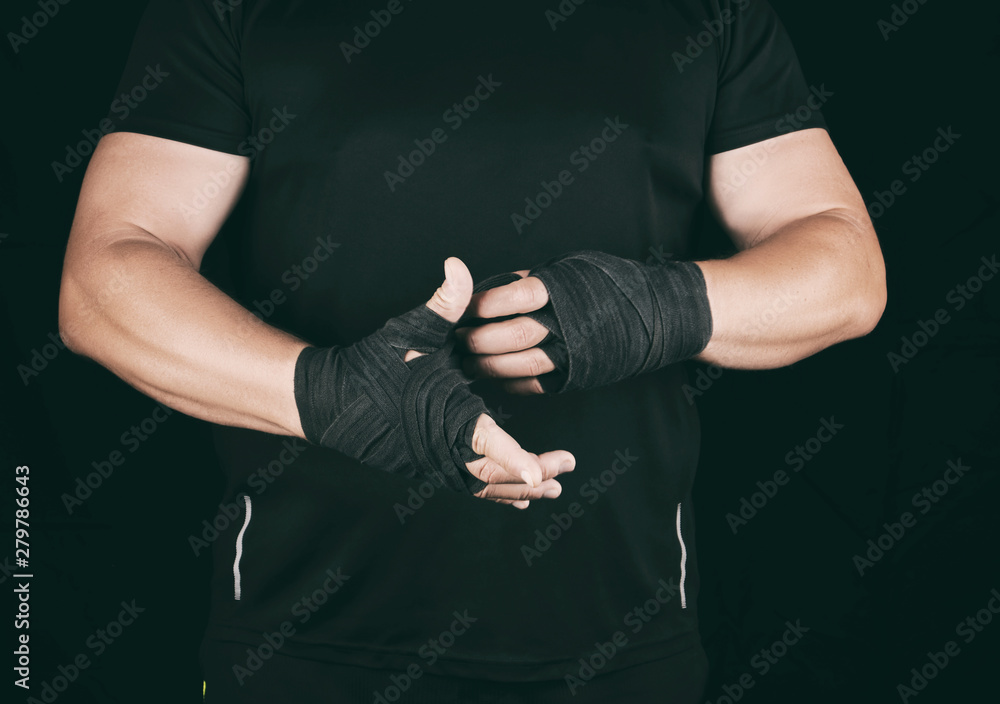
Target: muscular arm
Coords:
[[132, 298], [810, 273]]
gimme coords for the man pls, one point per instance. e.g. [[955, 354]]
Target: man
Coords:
[[365, 146]]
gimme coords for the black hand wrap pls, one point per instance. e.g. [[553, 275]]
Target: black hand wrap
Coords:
[[414, 418], [610, 318]]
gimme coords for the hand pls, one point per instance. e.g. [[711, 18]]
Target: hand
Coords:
[[587, 319], [505, 463], [508, 349], [398, 402]]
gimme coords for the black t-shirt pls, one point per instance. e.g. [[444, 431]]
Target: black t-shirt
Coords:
[[385, 137]]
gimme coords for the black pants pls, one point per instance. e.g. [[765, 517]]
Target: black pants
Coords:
[[679, 679]]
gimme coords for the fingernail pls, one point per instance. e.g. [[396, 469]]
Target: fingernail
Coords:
[[520, 504], [551, 494], [566, 466], [526, 477]]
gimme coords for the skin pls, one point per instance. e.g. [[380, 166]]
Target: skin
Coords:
[[132, 299], [809, 273]]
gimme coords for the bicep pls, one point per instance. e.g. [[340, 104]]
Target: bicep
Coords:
[[179, 193], [756, 190]]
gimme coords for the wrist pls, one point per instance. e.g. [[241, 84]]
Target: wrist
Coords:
[[681, 292]]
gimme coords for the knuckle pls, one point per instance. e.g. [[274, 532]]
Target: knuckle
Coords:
[[481, 433], [535, 292], [488, 365], [521, 296], [488, 474], [536, 364], [472, 342], [519, 335], [441, 301]]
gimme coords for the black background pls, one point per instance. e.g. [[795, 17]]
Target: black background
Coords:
[[793, 561]]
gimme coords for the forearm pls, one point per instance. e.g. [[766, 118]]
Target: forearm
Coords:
[[818, 281], [140, 309]]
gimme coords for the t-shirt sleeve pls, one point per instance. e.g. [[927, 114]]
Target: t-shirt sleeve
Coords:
[[182, 80], [760, 82]]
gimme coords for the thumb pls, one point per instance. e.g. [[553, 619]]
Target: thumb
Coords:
[[453, 296]]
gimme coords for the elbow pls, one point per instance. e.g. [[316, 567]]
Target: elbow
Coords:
[[869, 296], [873, 309], [73, 315], [68, 319], [861, 275]]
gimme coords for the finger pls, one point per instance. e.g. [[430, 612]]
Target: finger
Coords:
[[524, 387], [506, 336], [522, 296], [492, 472], [510, 502], [556, 462], [503, 493], [452, 297], [504, 489], [514, 365], [552, 463], [490, 440]]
